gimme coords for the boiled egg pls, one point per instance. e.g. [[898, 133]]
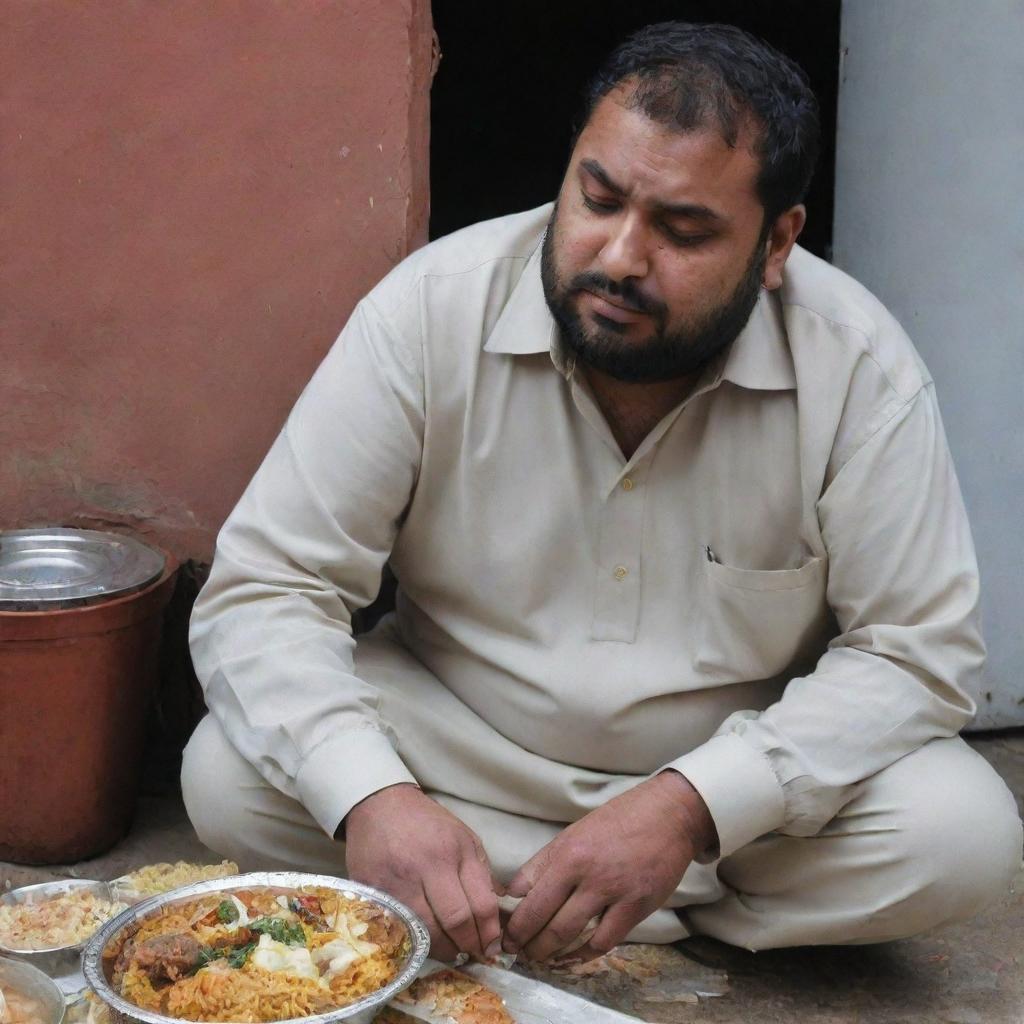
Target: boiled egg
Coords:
[[276, 956]]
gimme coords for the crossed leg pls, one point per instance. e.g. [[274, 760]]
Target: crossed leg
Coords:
[[929, 840]]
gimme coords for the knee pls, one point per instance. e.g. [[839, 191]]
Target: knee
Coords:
[[210, 797], [958, 839]]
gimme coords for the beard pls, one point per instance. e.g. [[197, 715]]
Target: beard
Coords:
[[669, 351]]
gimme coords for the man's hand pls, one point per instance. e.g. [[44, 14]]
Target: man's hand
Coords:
[[401, 841], [621, 861]]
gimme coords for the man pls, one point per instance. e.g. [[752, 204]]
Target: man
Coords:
[[687, 598]]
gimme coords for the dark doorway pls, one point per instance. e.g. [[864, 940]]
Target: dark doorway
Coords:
[[508, 87]]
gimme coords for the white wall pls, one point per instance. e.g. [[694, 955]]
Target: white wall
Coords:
[[930, 216]]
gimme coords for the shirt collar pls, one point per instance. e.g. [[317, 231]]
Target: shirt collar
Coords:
[[525, 326], [759, 358]]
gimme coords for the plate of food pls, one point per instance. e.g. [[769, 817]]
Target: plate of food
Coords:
[[154, 879], [261, 947], [447, 995], [48, 924]]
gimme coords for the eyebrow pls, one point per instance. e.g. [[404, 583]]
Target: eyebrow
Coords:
[[692, 211]]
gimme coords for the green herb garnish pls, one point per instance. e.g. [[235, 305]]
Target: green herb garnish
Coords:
[[288, 932], [227, 912], [236, 956], [207, 954]]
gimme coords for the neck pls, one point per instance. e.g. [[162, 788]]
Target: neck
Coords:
[[633, 409]]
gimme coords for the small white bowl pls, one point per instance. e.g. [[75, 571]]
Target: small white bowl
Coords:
[[29, 981]]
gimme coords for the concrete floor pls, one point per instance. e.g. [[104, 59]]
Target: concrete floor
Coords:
[[968, 974]]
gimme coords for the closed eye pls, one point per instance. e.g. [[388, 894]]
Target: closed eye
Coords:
[[682, 240], [597, 206]]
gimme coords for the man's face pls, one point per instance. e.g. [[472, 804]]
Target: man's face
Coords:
[[654, 255]]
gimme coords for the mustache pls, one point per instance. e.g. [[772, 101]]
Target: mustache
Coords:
[[625, 293]]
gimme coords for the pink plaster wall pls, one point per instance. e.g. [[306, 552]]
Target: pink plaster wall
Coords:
[[195, 196]]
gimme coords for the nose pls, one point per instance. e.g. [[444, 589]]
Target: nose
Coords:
[[625, 252]]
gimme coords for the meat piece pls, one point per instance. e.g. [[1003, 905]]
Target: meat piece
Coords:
[[167, 957]]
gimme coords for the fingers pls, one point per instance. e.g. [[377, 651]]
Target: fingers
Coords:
[[524, 879], [616, 923], [441, 947], [464, 904], [477, 884], [413, 847], [539, 906], [565, 927], [453, 912], [519, 885]]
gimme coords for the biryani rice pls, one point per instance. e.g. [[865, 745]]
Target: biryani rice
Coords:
[[308, 951], [251, 994]]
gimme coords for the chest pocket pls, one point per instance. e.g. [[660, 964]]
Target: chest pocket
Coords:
[[755, 623]]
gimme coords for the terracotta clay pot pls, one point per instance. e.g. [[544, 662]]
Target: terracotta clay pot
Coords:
[[75, 687]]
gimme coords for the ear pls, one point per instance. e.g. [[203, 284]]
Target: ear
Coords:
[[781, 239]]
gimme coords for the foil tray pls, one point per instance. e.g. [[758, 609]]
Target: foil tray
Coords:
[[62, 963], [361, 1012]]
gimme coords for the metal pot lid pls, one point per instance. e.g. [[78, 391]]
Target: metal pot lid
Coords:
[[57, 567]]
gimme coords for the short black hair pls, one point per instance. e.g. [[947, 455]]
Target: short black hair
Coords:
[[688, 76]]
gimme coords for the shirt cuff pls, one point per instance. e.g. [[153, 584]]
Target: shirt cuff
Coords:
[[344, 770], [739, 787]]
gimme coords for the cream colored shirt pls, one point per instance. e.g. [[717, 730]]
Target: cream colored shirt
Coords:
[[776, 594]]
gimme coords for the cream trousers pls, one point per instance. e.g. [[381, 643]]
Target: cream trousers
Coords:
[[930, 840]]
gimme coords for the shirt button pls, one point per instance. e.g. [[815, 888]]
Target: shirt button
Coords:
[[627, 484], [620, 572]]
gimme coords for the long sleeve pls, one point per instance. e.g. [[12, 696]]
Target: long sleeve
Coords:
[[903, 586], [271, 633]]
